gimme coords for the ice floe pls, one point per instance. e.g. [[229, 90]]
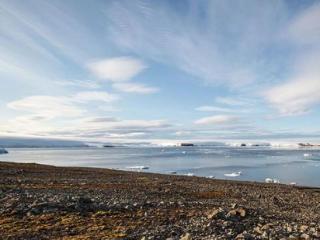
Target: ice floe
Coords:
[[271, 180], [234, 174], [190, 174], [138, 167]]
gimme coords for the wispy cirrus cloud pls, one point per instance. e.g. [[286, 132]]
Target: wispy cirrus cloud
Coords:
[[134, 88], [200, 46], [88, 96], [217, 120], [300, 92], [47, 106], [207, 108]]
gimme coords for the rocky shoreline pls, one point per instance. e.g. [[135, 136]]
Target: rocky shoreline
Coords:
[[46, 202]]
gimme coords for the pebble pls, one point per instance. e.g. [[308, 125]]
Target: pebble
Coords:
[[186, 236]]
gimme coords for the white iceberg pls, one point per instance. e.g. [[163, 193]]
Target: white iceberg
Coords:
[[271, 180], [190, 174], [234, 174]]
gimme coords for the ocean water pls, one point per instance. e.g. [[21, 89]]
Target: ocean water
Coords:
[[255, 163]]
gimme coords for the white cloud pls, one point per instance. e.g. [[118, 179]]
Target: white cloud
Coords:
[[134, 88], [79, 83], [217, 120], [117, 69], [231, 101], [182, 133], [108, 108], [47, 106], [213, 109], [94, 96], [120, 72], [127, 135], [301, 90], [143, 124], [305, 29], [295, 97], [212, 48], [102, 119]]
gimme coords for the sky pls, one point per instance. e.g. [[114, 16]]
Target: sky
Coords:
[[127, 71]]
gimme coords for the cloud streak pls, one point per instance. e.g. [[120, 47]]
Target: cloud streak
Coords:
[[301, 90], [199, 46], [217, 120]]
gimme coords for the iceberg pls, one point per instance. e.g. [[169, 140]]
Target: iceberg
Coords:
[[234, 174], [271, 180], [190, 174], [3, 151]]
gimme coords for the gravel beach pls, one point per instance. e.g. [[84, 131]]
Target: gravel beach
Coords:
[[47, 202]]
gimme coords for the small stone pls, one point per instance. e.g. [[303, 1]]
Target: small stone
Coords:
[[266, 227], [304, 236], [313, 230], [186, 236], [232, 213], [234, 205], [240, 236], [212, 214], [258, 230], [242, 212], [303, 228], [265, 234]]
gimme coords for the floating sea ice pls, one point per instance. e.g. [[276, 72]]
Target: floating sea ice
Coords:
[[307, 154], [190, 174], [211, 177], [268, 180], [183, 152], [293, 183], [271, 180], [234, 174], [276, 181], [138, 167]]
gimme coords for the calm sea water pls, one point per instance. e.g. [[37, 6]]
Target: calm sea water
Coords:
[[255, 163]]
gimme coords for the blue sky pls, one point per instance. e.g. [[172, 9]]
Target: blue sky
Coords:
[[160, 70]]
